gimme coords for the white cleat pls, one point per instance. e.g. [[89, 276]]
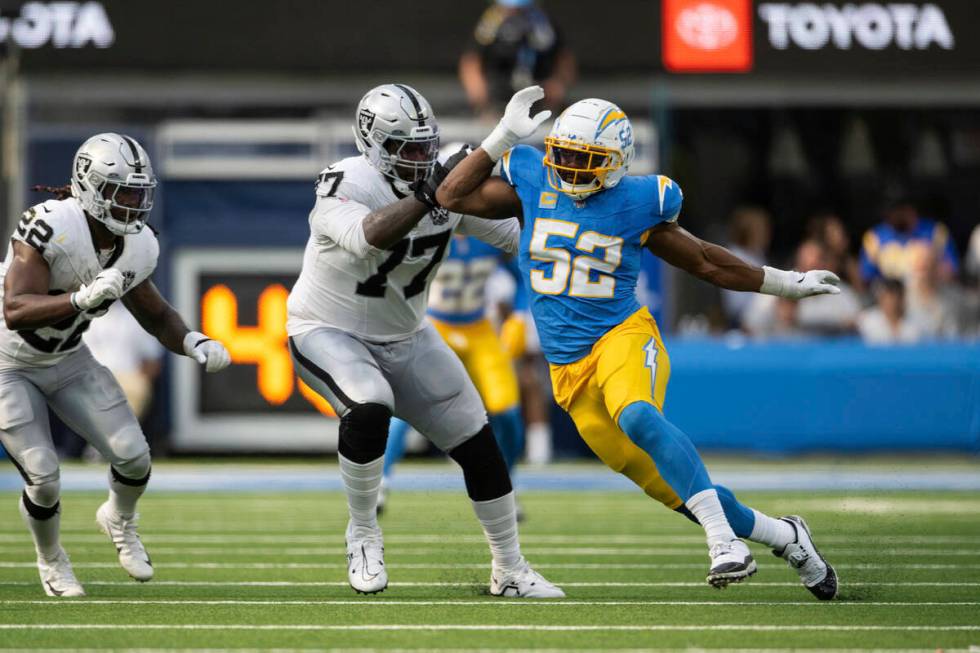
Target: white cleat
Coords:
[[122, 532], [731, 562], [57, 577], [522, 583], [366, 571], [815, 572]]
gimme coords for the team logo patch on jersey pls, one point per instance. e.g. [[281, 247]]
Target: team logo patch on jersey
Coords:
[[439, 216], [365, 121], [128, 278], [547, 200]]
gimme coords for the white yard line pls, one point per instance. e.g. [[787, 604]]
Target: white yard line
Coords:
[[398, 584], [479, 549], [468, 565], [561, 628], [488, 602], [320, 537]]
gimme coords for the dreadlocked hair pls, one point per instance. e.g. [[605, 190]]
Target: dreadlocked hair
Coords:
[[59, 192]]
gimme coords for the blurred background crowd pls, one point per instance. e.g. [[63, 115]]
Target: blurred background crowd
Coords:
[[836, 136]]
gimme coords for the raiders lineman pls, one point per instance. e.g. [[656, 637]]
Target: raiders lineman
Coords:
[[357, 334], [68, 260]]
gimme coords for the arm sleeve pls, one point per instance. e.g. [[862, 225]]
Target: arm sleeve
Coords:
[[339, 220], [502, 234]]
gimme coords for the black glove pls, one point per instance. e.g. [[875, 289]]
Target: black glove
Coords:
[[425, 189]]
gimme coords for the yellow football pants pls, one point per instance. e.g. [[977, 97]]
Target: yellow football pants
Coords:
[[628, 364], [485, 360]]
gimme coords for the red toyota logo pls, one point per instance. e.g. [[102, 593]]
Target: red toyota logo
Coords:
[[707, 35]]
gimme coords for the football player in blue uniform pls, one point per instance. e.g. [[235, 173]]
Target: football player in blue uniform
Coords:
[[585, 224]]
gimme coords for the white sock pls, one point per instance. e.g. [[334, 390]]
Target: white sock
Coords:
[[707, 508], [362, 483], [538, 443], [45, 532], [499, 519], [123, 497], [774, 533]]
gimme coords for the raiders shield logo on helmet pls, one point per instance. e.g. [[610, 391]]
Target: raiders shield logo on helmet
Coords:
[[82, 164], [365, 120]]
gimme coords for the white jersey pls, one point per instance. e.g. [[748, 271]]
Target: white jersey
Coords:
[[59, 230], [374, 294]]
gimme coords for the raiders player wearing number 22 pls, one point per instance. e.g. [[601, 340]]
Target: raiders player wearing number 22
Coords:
[[358, 336], [68, 261]]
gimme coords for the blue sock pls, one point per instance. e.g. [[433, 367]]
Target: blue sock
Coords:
[[673, 452], [395, 449], [508, 428], [741, 518]]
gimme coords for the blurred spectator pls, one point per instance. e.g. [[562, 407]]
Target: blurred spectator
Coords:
[[886, 322], [933, 307], [889, 247], [828, 229], [750, 232], [821, 315], [515, 44], [973, 254], [131, 354]]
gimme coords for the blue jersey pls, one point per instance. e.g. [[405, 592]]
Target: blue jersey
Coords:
[[890, 253], [457, 294], [580, 260]]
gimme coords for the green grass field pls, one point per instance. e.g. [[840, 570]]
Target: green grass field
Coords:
[[266, 571]]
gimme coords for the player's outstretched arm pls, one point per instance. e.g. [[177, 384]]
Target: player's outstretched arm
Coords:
[[716, 265], [469, 188], [26, 302], [159, 319]]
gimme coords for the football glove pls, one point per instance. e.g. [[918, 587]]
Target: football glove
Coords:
[[106, 286], [425, 189], [795, 285], [516, 123], [209, 353]]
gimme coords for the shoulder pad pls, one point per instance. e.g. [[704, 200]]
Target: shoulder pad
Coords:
[[54, 223]]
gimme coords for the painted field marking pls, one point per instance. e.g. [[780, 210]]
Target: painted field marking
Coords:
[[396, 584], [475, 602], [410, 551], [469, 565], [499, 627]]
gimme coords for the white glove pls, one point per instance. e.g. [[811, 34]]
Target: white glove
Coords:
[[516, 123], [106, 285], [794, 285], [209, 353]]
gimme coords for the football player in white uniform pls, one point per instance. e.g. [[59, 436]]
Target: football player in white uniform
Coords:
[[358, 336], [68, 260]]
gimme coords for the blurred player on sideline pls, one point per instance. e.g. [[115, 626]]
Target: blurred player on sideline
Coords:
[[520, 337], [585, 225], [457, 309], [68, 261], [358, 336]]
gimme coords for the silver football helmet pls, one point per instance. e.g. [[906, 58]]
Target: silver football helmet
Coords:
[[113, 179], [398, 134]]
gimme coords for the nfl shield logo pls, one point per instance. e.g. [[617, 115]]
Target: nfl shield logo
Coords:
[[128, 277], [439, 216]]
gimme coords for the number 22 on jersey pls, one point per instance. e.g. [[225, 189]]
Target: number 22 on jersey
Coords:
[[573, 272]]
